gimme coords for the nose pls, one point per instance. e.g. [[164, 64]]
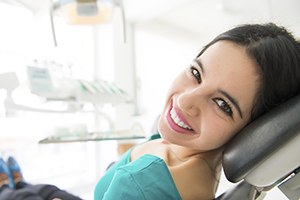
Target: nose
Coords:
[[190, 102]]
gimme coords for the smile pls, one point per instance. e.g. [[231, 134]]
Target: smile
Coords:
[[178, 121]]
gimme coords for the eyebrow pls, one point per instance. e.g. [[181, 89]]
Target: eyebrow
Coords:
[[233, 101], [228, 96], [199, 64]]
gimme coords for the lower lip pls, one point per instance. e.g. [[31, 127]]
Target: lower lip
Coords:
[[174, 126]]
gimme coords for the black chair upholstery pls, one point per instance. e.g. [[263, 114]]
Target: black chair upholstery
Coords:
[[259, 142], [261, 139]]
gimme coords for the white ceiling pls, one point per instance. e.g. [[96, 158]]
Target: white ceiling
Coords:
[[199, 16], [203, 16]]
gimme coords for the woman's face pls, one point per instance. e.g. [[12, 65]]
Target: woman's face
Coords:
[[211, 100]]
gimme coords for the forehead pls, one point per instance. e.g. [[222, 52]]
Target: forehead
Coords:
[[227, 66], [229, 56]]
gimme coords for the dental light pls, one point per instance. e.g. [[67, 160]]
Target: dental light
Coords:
[[83, 12], [86, 12]]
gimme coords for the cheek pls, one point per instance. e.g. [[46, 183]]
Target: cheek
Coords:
[[215, 133], [179, 83], [176, 87], [227, 135]]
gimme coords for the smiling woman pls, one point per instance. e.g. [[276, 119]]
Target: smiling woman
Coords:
[[235, 78], [211, 99]]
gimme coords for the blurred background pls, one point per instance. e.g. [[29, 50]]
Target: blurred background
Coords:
[[81, 80]]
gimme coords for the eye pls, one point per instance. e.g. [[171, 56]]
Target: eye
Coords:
[[224, 106], [194, 71]]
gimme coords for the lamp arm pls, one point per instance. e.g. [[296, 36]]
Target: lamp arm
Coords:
[[120, 4], [53, 7]]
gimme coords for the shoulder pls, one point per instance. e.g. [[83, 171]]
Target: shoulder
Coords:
[[152, 147], [147, 176], [143, 163]]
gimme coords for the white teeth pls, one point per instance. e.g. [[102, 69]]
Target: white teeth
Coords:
[[178, 121]]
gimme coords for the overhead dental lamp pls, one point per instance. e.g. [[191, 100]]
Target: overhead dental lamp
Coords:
[[86, 12]]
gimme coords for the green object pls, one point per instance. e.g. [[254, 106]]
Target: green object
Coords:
[[146, 178]]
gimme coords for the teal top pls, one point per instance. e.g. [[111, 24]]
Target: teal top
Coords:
[[148, 177]]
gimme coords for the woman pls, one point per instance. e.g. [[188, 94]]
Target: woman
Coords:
[[237, 77]]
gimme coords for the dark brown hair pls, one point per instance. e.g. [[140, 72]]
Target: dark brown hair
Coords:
[[277, 55]]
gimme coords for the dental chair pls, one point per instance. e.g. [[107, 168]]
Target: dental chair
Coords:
[[264, 155]]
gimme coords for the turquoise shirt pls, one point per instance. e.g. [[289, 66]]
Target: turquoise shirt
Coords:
[[148, 177]]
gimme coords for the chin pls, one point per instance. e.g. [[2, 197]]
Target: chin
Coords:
[[164, 134], [167, 136]]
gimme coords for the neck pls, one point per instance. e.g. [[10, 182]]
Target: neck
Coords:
[[181, 153]]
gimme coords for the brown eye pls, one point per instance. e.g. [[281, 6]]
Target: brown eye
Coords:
[[224, 106], [196, 74]]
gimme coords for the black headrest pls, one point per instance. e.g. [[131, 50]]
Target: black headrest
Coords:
[[260, 139]]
